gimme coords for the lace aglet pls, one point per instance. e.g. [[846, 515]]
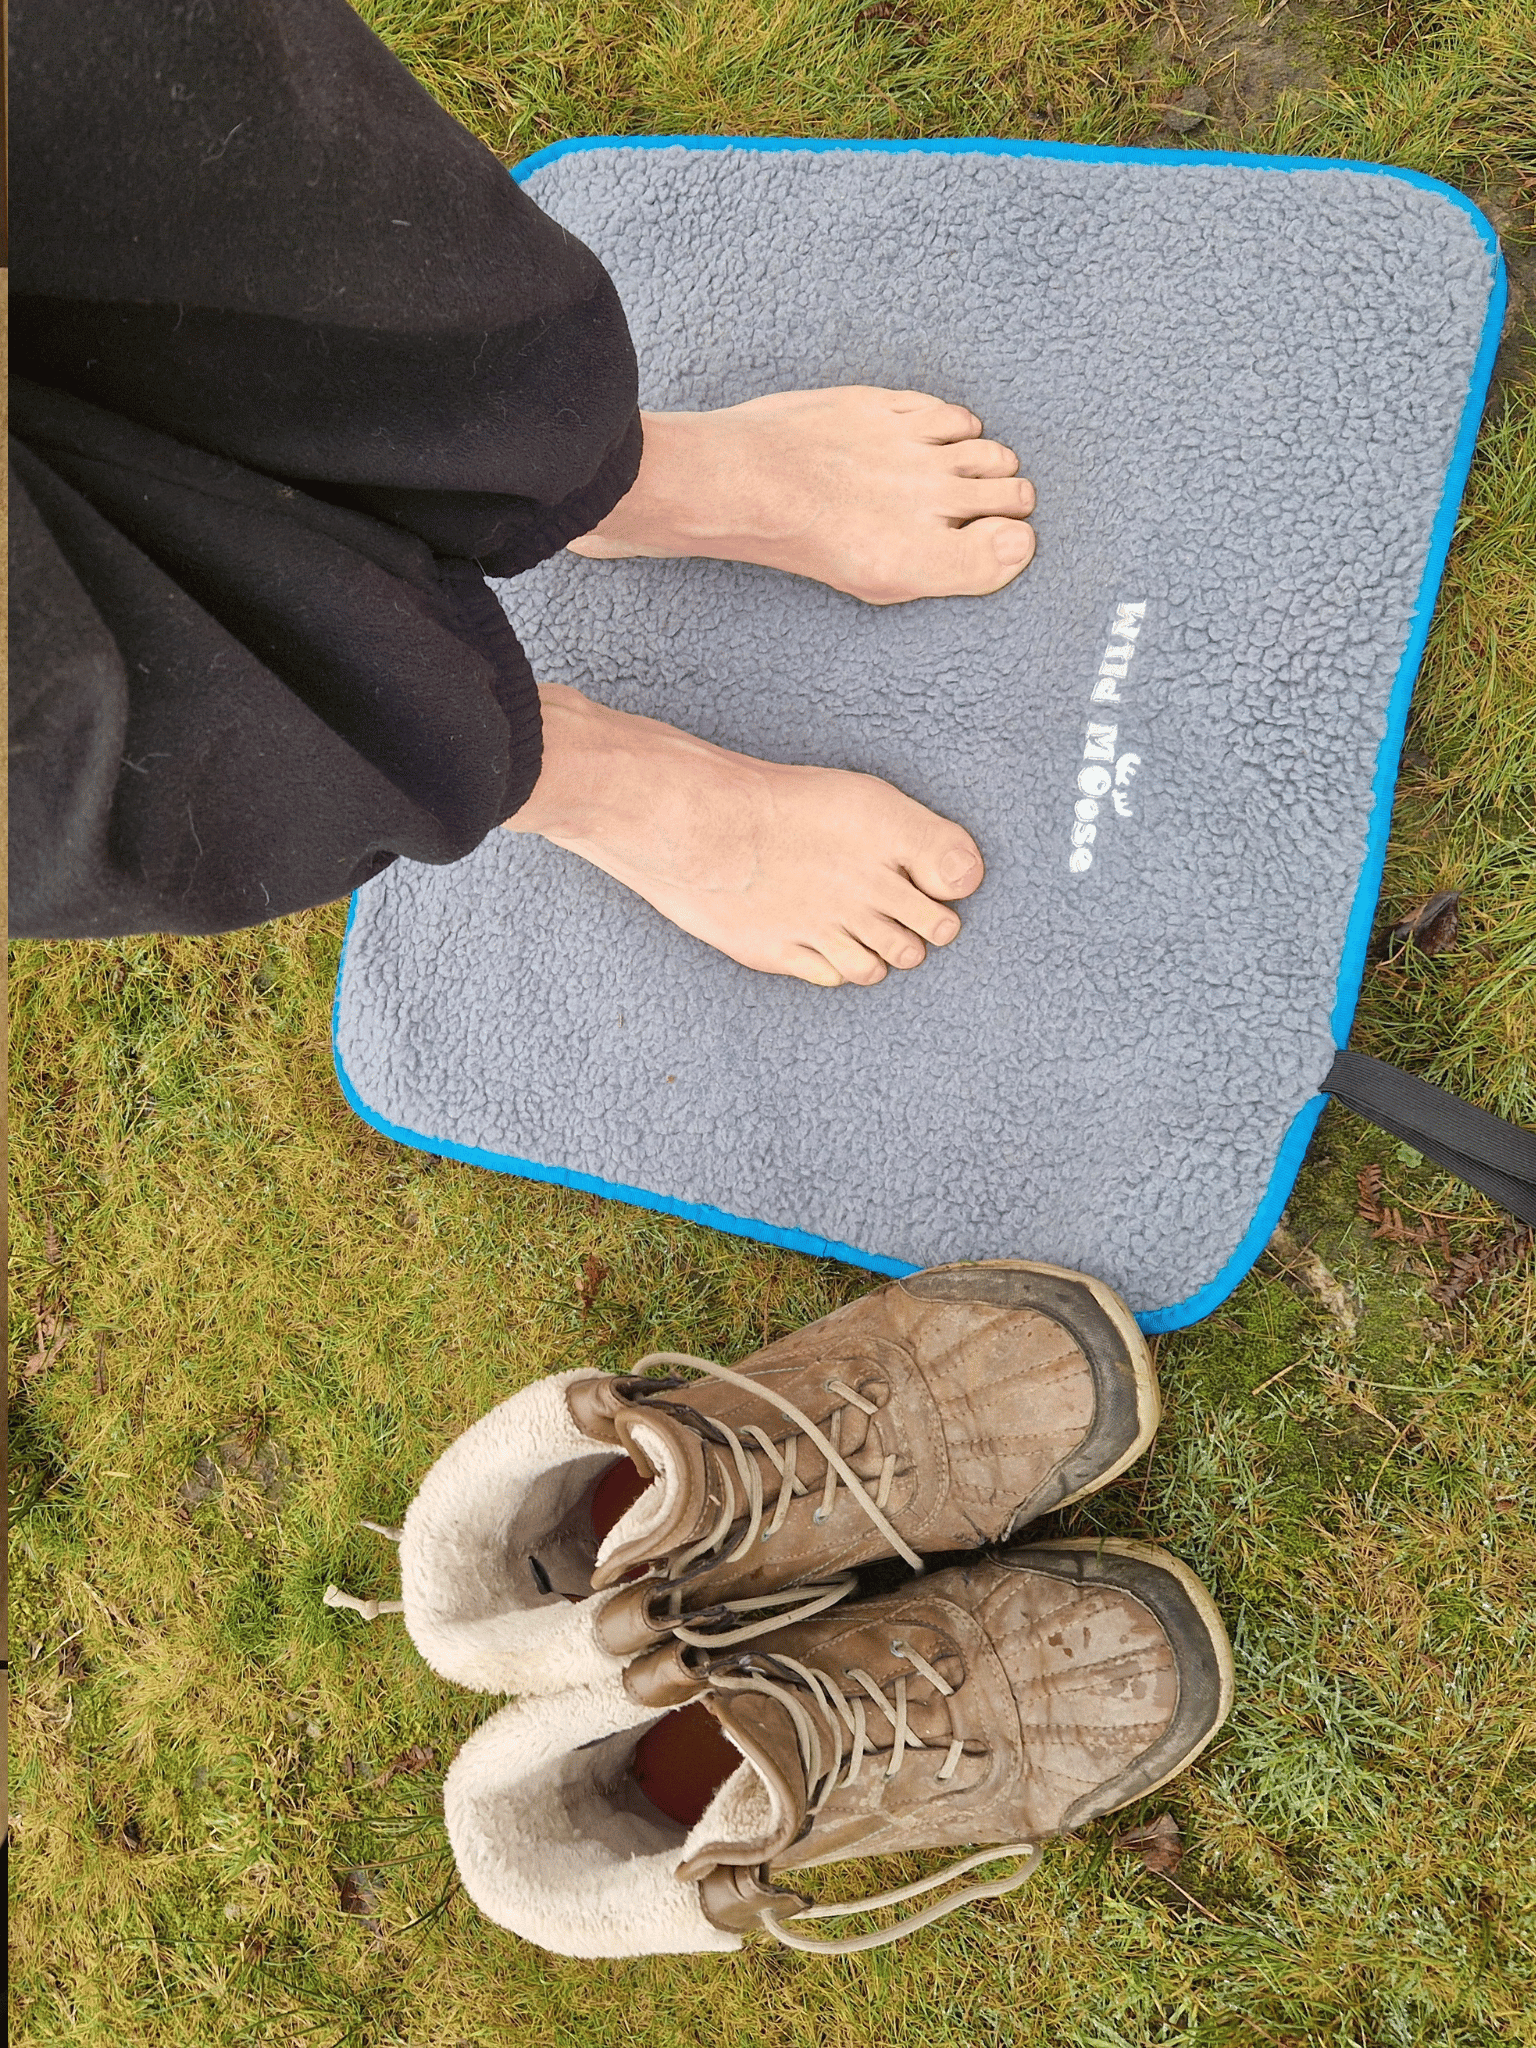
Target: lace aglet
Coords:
[[370, 1610]]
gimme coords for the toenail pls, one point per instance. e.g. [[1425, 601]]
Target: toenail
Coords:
[[956, 865], [945, 931], [1013, 548]]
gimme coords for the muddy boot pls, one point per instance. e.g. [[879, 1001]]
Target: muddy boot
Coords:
[[590, 1517], [997, 1703]]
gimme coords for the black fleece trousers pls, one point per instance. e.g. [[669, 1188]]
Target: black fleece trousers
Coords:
[[296, 362]]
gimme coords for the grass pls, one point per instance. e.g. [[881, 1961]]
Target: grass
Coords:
[[275, 1319]]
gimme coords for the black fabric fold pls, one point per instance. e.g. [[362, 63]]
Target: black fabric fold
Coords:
[[166, 777], [298, 362], [269, 241]]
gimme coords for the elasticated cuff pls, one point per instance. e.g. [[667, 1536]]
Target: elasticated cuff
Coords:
[[573, 516], [474, 615]]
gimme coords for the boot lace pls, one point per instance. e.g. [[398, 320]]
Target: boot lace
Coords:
[[761, 1525], [846, 1713]]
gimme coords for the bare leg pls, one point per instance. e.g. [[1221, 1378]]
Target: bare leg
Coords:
[[812, 872], [888, 495]]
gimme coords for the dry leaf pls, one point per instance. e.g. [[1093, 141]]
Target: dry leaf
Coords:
[[903, 19], [1160, 1845], [264, 1464], [1431, 1230], [1388, 1223], [1305, 1267], [593, 1274], [1431, 929], [53, 1330], [884, 10], [131, 1840], [202, 1483], [1468, 1269], [1483, 1262], [1368, 1180], [417, 1758], [358, 1896]]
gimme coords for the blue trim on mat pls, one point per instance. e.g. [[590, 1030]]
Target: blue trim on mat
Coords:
[[989, 145], [591, 1183], [1293, 1146]]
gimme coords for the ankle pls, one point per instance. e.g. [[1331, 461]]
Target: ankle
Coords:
[[660, 508], [616, 785], [584, 746]]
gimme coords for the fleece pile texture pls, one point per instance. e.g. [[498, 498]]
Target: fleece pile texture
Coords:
[[1238, 389], [550, 1842], [473, 1607]]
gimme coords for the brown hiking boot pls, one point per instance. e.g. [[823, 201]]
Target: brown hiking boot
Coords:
[[1000, 1702], [939, 1414], [1005, 1701]]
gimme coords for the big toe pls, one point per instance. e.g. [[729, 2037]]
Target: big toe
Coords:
[[947, 865], [991, 552]]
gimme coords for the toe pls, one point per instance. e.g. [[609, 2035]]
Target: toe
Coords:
[[919, 915], [806, 964], [947, 866], [1010, 497], [892, 941], [990, 553], [854, 961], [958, 417], [982, 458], [941, 424]]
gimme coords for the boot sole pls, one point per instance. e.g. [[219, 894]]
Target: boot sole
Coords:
[[1148, 1400], [1215, 1645]]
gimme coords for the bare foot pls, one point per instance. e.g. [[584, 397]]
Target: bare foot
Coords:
[[813, 872], [888, 495]]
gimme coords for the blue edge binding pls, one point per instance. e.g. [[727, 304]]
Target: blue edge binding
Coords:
[[1357, 934]]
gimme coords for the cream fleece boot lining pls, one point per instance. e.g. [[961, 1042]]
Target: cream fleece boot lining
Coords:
[[656, 1507], [472, 1605], [554, 1840], [742, 1818]]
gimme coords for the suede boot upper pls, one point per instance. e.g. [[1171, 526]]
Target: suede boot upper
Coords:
[[1006, 1700], [944, 1411]]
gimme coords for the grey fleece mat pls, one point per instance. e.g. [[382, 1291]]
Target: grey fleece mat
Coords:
[[1246, 391]]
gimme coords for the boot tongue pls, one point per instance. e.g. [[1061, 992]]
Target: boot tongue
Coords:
[[760, 1809], [674, 1510]]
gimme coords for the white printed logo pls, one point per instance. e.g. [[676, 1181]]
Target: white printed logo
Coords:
[[1105, 773]]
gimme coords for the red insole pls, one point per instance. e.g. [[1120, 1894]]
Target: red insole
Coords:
[[680, 1763], [683, 1761], [619, 1488]]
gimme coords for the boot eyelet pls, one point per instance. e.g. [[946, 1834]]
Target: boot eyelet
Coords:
[[819, 1516]]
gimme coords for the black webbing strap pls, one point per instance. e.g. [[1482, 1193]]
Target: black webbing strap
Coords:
[[1498, 1157]]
